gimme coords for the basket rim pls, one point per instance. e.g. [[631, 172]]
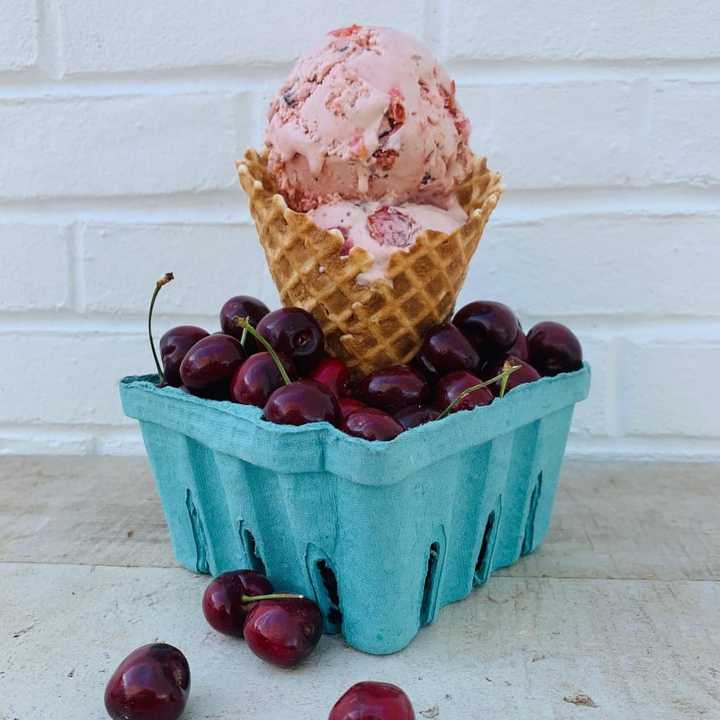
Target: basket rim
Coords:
[[241, 430]]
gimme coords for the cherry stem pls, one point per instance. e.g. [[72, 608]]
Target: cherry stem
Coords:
[[273, 596], [502, 377], [506, 376], [244, 323], [164, 280]]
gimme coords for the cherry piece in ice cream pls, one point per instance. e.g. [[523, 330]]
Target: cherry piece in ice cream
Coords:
[[390, 226]]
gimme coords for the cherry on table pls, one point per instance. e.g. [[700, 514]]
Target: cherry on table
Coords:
[[445, 349], [210, 364], [333, 374], [491, 327], [525, 374], [258, 377], [283, 631], [373, 701], [244, 306], [553, 348], [411, 417], [301, 402], [394, 388], [452, 385], [296, 333], [174, 345], [372, 424], [224, 602], [152, 683]]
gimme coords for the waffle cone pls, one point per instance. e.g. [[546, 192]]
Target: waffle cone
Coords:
[[376, 325]]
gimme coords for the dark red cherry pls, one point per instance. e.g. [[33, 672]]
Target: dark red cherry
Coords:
[[491, 327], [411, 417], [283, 631], [372, 424], [210, 364], [394, 388], [348, 406], [304, 401], [152, 683], [223, 602], [527, 373], [257, 378], [553, 348], [174, 345], [333, 374], [450, 386], [295, 332], [519, 348], [243, 306], [445, 349], [373, 701]]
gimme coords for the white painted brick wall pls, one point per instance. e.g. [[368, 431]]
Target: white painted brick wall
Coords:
[[108, 36], [126, 145], [565, 30], [557, 134], [35, 268], [18, 35], [120, 124]]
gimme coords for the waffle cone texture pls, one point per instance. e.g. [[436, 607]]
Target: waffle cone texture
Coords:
[[376, 325]]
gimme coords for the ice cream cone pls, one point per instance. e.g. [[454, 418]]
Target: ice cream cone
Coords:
[[380, 324]]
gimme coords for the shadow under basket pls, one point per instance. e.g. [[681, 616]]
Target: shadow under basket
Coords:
[[380, 534]]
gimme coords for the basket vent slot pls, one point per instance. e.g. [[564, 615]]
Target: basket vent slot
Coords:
[[256, 562], [329, 581], [202, 564], [482, 566], [429, 586], [529, 536]]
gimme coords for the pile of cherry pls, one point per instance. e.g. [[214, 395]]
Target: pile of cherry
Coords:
[[153, 682], [277, 361]]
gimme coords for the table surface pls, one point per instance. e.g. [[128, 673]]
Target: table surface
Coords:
[[616, 616]]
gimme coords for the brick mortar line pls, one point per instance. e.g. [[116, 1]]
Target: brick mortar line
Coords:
[[235, 77], [658, 329], [229, 207]]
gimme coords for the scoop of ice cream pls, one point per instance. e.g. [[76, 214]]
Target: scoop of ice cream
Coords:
[[370, 115], [384, 229]]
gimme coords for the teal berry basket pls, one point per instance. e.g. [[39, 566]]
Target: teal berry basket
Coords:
[[381, 534]]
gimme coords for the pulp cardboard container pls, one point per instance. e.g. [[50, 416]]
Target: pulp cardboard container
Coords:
[[381, 534]]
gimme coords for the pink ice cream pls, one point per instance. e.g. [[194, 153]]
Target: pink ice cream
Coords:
[[384, 229], [369, 116]]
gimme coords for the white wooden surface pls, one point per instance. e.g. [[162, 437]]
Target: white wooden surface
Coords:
[[616, 617]]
